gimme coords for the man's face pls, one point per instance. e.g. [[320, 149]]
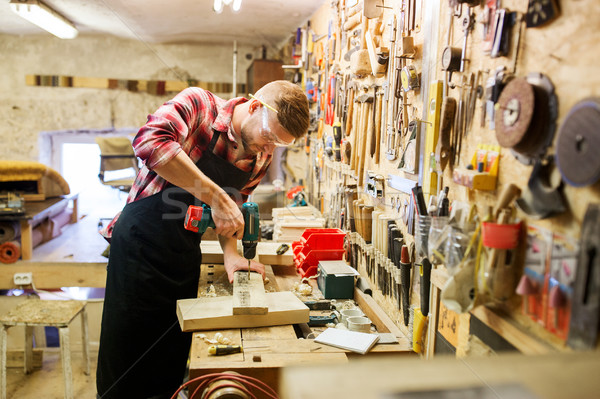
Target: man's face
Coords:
[[261, 132]]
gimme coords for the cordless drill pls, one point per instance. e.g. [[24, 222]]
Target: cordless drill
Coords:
[[199, 218], [251, 230]]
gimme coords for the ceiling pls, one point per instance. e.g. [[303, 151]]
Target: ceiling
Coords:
[[259, 22]]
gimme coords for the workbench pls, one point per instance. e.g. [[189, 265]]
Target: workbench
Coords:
[[267, 349], [36, 212], [504, 376]]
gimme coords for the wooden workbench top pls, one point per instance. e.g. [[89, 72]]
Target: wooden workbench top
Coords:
[[503, 376], [268, 349], [44, 313]]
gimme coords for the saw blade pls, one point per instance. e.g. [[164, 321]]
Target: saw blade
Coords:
[[578, 142]]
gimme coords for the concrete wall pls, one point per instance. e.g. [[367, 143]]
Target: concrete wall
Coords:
[[25, 111]]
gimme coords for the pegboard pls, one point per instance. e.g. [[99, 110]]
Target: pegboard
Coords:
[[563, 51]]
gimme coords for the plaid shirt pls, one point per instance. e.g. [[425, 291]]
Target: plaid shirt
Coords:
[[186, 123]]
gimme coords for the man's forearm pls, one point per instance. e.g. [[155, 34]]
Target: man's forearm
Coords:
[[229, 247]]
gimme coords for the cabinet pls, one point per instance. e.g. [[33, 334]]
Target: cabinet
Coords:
[[262, 72]]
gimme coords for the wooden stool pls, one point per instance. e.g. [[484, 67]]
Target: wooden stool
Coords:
[[34, 312]]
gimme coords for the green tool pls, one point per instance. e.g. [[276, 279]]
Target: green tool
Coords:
[[251, 230]]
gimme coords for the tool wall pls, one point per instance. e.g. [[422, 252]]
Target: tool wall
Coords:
[[460, 136]]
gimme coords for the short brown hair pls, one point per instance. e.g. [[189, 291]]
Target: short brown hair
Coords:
[[291, 104]]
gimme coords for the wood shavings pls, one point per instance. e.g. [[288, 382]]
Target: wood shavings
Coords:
[[302, 289], [343, 305], [218, 339], [211, 292]]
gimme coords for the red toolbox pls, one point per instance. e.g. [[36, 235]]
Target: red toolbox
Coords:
[[315, 245]]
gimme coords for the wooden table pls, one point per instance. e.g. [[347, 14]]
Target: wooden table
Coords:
[[35, 212], [36, 312], [268, 349], [551, 376]]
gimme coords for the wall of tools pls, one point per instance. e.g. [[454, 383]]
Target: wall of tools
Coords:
[[455, 142]]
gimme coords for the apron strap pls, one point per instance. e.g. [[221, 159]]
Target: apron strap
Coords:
[[213, 140]]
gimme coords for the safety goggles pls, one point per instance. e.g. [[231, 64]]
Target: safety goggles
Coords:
[[266, 133]]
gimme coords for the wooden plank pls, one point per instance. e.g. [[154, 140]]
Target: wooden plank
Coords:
[[54, 274], [16, 358], [374, 312], [216, 313], [433, 322], [43, 313], [448, 324], [249, 294], [94, 83], [175, 85], [549, 376], [272, 333], [520, 339], [266, 252], [26, 239], [272, 353]]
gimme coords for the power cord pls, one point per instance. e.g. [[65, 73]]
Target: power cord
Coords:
[[244, 382]]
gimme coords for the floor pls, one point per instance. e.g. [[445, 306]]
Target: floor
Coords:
[[48, 381]]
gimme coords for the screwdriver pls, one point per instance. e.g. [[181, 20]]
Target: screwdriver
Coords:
[[218, 350]]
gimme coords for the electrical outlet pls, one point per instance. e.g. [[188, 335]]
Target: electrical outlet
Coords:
[[23, 278]]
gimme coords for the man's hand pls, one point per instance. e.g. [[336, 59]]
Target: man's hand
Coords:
[[228, 218], [233, 265]]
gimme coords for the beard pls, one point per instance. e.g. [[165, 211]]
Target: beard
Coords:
[[250, 147]]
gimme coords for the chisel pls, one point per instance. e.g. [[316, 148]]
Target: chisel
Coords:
[[405, 266], [425, 285]]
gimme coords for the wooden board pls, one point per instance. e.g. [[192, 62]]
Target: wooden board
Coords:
[[43, 313], [550, 376], [525, 342], [16, 358], [266, 252], [159, 87], [249, 295], [55, 274], [378, 317], [216, 313]]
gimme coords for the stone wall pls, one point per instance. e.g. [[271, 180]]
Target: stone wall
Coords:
[[25, 111]]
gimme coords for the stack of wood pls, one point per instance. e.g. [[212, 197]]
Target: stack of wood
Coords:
[[290, 222]]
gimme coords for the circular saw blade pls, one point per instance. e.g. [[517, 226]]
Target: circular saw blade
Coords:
[[514, 114], [578, 142]]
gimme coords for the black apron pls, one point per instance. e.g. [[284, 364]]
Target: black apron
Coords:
[[153, 263]]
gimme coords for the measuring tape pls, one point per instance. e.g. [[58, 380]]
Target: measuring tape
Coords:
[[409, 78]]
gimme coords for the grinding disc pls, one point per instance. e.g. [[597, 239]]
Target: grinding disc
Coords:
[[515, 112], [578, 142], [538, 127]]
